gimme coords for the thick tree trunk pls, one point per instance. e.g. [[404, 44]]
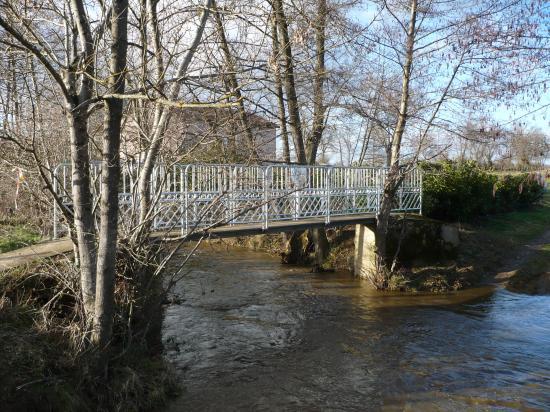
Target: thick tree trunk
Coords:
[[108, 232], [293, 244], [319, 108], [293, 251], [321, 245], [290, 254], [77, 107], [78, 120], [110, 176], [380, 278], [318, 235], [83, 207], [306, 153]]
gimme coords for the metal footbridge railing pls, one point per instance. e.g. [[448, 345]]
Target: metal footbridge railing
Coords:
[[191, 196]]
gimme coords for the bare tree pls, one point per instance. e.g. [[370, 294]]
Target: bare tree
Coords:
[[110, 177], [162, 112], [73, 80], [70, 62], [529, 148], [445, 54]]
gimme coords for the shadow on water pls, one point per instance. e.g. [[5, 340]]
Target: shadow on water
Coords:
[[251, 334]]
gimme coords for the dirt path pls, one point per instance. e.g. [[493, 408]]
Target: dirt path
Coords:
[[29, 254], [522, 256]]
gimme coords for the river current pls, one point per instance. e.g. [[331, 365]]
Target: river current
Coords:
[[250, 333]]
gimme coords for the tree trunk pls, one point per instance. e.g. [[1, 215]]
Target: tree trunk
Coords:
[[110, 176], [293, 253], [83, 207], [318, 235], [321, 245], [319, 108], [162, 117], [380, 278], [395, 175], [293, 247], [279, 92], [232, 82], [289, 82], [306, 153]]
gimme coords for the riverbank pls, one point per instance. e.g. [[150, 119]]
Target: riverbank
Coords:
[[533, 275], [435, 269], [527, 234], [46, 362]]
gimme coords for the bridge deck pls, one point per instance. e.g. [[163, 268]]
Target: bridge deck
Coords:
[[281, 226]]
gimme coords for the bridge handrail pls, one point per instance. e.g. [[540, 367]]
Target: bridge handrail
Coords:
[[251, 193]]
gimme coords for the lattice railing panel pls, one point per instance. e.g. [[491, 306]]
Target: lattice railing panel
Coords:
[[282, 207], [246, 208], [201, 195]]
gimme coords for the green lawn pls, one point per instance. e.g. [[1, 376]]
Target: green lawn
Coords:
[[523, 225], [15, 236]]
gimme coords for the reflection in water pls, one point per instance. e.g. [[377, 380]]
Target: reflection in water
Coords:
[[251, 334]]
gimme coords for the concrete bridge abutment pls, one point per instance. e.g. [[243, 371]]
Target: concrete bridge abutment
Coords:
[[364, 256], [427, 239]]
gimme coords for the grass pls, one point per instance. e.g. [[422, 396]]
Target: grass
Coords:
[[522, 225], [503, 235], [16, 235]]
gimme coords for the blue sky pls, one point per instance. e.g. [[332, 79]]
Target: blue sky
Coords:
[[519, 111]]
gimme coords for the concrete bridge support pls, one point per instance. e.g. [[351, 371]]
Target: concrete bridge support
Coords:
[[425, 238], [364, 258]]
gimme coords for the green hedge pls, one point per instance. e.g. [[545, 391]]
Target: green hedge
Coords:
[[463, 191]]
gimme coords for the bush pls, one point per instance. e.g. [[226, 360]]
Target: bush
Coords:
[[463, 191], [517, 191]]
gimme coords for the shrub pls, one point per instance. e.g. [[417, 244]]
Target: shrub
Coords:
[[463, 191]]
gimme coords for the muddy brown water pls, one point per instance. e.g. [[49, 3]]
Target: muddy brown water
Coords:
[[252, 334]]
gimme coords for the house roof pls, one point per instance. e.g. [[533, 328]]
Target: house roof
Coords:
[[220, 115]]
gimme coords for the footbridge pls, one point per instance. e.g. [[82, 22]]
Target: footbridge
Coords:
[[233, 200]]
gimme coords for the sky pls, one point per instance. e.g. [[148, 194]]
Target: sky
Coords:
[[536, 115]]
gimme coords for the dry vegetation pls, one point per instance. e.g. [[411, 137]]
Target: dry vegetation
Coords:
[[47, 365]]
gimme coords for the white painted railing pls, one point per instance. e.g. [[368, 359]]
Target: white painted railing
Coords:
[[189, 196]]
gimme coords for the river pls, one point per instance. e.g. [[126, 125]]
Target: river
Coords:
[[252, 334]]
